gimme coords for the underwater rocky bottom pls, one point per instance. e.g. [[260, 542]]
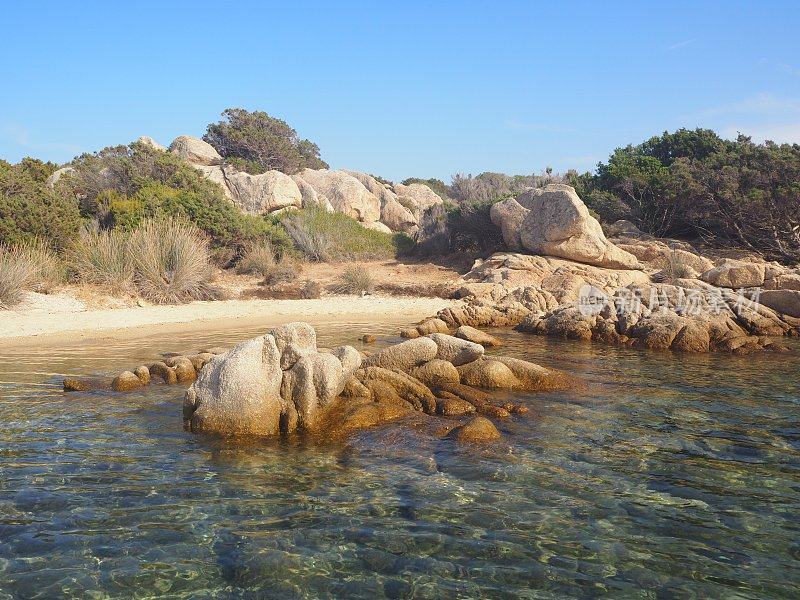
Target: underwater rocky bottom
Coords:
[[677, 474]]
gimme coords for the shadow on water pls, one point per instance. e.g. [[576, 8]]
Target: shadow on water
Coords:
[[675, 474]]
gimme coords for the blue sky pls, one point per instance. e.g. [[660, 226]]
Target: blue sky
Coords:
[[400, 89]]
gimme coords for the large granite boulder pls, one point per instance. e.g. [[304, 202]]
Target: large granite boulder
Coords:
[[261, 194], [785, 302], [393, 214], [509, 215], [345, 193], [735, 274], [195, 151], [405, 355], [559, 224], [238, 393], [310, 198], [417, 196]]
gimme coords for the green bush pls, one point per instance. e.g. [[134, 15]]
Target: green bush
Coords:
[[30, 209], [256, 142], [324, 236], [692, 184], [124, 185]]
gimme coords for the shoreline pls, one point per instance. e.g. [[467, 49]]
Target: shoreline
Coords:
[[21, 328]]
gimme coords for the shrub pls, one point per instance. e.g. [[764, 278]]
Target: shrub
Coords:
[[47, 268], [310, 290], [256, 142], [355, 279], [171, 262], [472, 230], [30, 209], [16, 275], [124, 185], [103, 258], [324, 236], [258, 260], [281, 272]]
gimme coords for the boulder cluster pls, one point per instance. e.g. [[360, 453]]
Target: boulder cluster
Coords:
[[280, 383], [383, 207]]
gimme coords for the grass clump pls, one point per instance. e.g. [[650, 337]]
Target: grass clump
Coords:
[[355, 279], [16, 275], [328, 237], [47, 269], [171, 262], [103, 258], [310, 290], [259, 259]]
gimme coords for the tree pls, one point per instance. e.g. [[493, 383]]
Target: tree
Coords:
[[257, 142]]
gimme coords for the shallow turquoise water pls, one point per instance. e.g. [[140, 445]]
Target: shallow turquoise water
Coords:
[[664, 476]]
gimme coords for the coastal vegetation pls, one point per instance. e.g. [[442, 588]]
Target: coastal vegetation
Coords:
[[135, 219]]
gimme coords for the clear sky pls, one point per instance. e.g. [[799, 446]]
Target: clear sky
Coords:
[[404, 88]]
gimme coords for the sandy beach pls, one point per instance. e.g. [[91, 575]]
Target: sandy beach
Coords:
[[20, 327]]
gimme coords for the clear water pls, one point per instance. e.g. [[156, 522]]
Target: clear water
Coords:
[[665, 476]]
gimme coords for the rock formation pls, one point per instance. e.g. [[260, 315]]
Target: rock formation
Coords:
[[553, 221]]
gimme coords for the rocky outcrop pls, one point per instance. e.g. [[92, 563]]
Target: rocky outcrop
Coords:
[[146, 140], [273, 383], [785, 302], [393, 214], [509, 215], [239, 392], [559, 224], [345, 193], [57, 175], [417, 197], [195, 151], [735, 274], [261, 194]]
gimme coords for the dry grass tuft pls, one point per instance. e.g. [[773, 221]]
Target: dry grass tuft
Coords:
[[259, 259], [16, 275], [103, 258], [171, 262], [355, 279]]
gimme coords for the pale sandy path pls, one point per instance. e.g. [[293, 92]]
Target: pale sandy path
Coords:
[[24, 327]]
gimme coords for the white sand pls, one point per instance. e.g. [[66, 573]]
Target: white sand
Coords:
[[70, 322]]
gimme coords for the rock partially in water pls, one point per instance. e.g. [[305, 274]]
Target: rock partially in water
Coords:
[[488, 373], [238, 393], [479, 429], [160, 370], [405, 355], [465, 332], [125, 382], [143, 373], [81, 384], [436, 372], [453, 406], [456, 350]]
